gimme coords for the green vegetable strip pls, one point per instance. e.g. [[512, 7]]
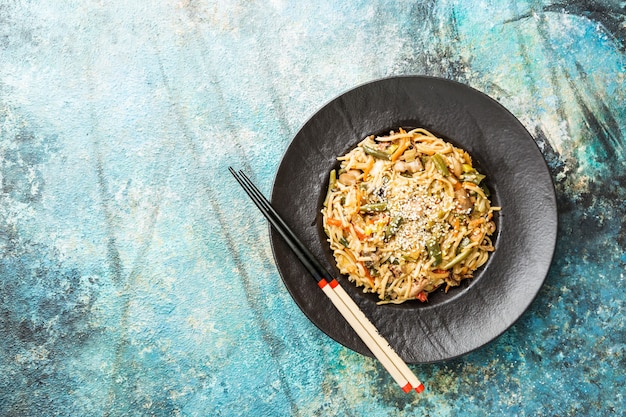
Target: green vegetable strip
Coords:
[[434, 250], [332, 181], [373, 208], [459, 258], [376, 153], [485, 189], [393, 227], [440, 164], [466, 241], [474, 177]]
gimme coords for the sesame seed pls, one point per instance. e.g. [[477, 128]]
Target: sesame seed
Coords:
[[423, 213]]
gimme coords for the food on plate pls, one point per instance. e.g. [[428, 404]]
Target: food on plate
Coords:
[[406, 214]]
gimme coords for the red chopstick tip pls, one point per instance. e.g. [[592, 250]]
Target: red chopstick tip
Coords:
[[333, 283], [407, 388], [322, 283], [419, 388]]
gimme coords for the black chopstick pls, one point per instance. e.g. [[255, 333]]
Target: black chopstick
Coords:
[[311, 263], [396, 367]]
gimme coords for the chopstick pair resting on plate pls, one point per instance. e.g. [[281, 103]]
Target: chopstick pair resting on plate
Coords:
[[363, 327]]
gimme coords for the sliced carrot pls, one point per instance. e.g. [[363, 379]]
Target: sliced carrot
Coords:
[[333, 222], [368, 168], [404, 144], [456, 223], [367, 273], [359, 233]]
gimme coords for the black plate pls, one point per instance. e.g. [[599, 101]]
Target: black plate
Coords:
[[481, 309]]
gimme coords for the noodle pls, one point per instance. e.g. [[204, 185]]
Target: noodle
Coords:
[[406, 214]]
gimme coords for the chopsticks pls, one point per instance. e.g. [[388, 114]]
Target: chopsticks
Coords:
[[364, 328]]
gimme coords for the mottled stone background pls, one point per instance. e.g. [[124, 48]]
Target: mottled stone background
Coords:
[[137, 279]]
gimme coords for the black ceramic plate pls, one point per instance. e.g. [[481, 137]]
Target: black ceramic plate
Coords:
[[467, 317]]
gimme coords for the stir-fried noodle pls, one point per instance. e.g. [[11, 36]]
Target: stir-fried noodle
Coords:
[[407, 213]]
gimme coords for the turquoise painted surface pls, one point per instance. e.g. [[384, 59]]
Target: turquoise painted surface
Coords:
[[137, 279]]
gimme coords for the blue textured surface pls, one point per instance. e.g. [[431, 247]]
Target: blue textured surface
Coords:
[[137, 278]]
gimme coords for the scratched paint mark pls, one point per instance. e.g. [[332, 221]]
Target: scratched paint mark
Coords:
[[44, 304], [611, 15], [271, 340]]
